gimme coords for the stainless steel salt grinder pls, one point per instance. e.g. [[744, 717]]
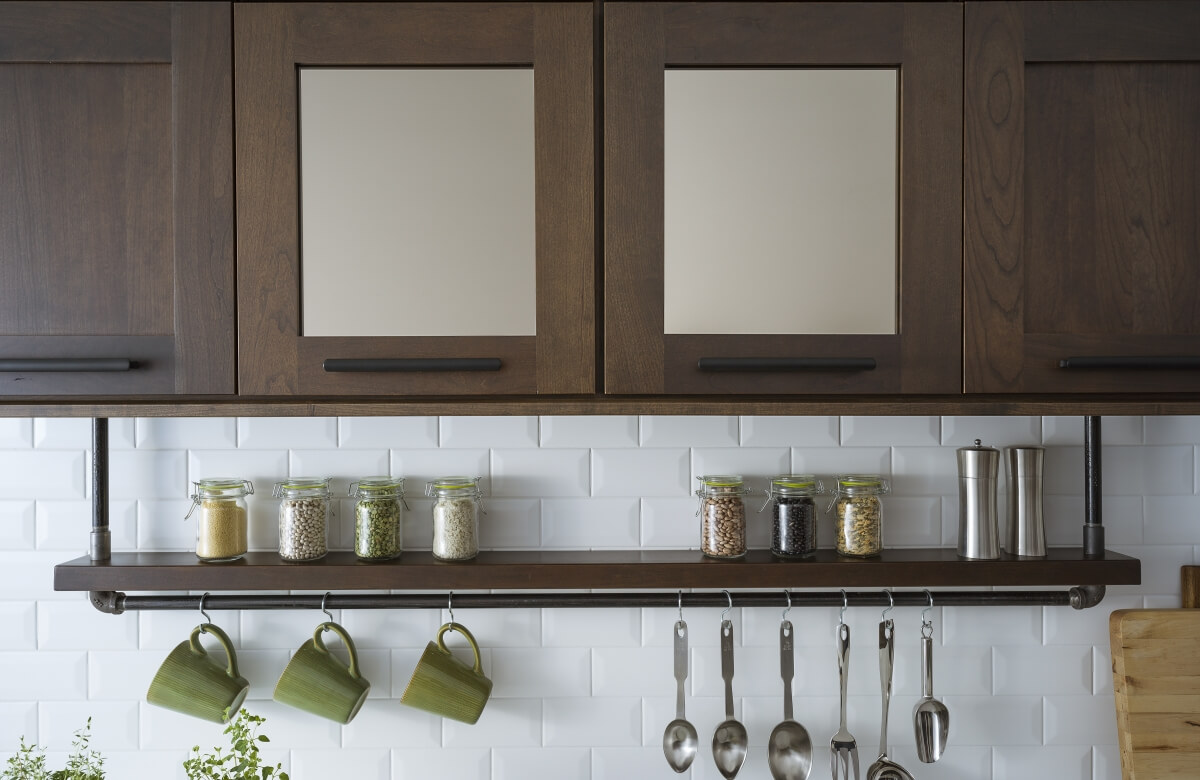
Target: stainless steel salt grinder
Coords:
[[978, 521], [1026, 533]]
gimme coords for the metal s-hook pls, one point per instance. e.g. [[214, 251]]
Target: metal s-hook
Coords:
[[725, 611], [680, 606], [787, 593], [891, 604], [926, 623], [207, 619], [450, 607], [842, 614], [328, 614]]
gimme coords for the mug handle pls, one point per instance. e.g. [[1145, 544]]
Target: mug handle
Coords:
[[223, 638], [319, 643], [462, 630]]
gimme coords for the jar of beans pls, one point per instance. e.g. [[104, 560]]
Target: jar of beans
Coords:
[[378, 517], [303, 517], [723, 530], [793, 514], [221, 527], [457, 502], [858, 514]]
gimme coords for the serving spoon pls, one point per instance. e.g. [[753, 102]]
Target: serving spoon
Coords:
[[680, 741], [789, 751], [730, 739]]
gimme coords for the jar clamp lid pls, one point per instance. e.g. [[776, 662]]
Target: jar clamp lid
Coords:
[[456, 487], [219, 488], [311, 486], [378, 487], [792, 486]]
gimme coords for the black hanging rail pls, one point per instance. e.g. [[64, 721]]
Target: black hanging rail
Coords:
[[1081, 597]]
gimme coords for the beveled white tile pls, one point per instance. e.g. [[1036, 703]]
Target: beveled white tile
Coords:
[[786, 431], [420, 466], [186, 433], [688, 431], [65, 525], [1106, 762], [1066, 626], [163, 630], [704, 626], [670, 523], [996, 720], [1170, 429], [375, 764], [1102, 672], [460, 764], [121, 674], [19, 619], [521, 673], [144, 763], [147, 474], [114, 724], [592, 722], [624, 763], [526, 763], [756, 464], [504, 723], [16, 433], [510, 524], [345, 466], [993, 626], [591, 628], [44, 675], [499, 627], [1149, 470], [891, 431], [589, 431], [1160, 569], [389, 433], [386, 723], [958, 670], [393, 628], [49, 474], [262, 467], [912, 522], [704, 713], [1123, 520], [17, 525], [924, 471], [629, 671], [280, 629], [489, 432], [161, 525], [262, 668], [17, 720], [1062, 471], [1061, 431], [292, 729], [1043, 670], [828, 462], [63, 433], [1059, 763], [998, 432], [29, 575], [643, 472], [286, 433], [1169, 520], [77, 625], [599, 523], [756, 671], [541, 473]]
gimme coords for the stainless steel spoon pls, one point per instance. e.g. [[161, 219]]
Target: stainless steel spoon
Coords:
[[680, 741], [931, 719], [789, 752], [884, 768], [730, 739]]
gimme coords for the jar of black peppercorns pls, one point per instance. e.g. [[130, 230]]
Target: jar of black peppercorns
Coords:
[[793, 514]]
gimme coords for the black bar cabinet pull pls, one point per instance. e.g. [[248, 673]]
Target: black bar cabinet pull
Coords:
[[338, 365], [32, 365], [1134, 362], [785, 364]]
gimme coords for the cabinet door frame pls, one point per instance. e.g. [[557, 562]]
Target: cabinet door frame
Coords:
[[1000, 39], [197, 357], [271, 42], [923, 41]]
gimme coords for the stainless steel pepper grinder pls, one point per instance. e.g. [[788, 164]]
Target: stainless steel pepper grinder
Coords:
[[1026, 534], [978, 521]]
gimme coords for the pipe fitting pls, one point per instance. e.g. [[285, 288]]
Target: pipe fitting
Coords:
[[1087, 596], [110, 602]]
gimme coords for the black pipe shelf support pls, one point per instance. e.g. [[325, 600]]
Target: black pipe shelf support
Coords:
[[1079, 597]]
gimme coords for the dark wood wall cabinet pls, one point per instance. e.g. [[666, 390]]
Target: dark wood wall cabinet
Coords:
[[1082, 190], [116, 199]]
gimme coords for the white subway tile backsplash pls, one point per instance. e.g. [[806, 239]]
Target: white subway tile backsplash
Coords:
[[597, 431], [670, 523], [828, 462], [1106, 762], [1062, 471], [1065, 431], [592, 722], [511, 523], [541, 473], [17, 525], [262, 467], [16, 433], [460, 764], [1043, 671], [542, 673], [345, 466], [650, 473], [62, 433], [161, 525], [1064, 520], [924, 471], [619, 763], [582, 523], [389, 433], [891, 431], [961, 763], [756, 671], [998, 432], [19, 619], [65, 525], [273, 433], [26, 575], [420, 466], [628, 671], [18, 719], [112, 675], [475, 432], [163, 630], [912, 522], [360, 764], [996, 720], [591, 628], [1022, 763], [992, 626], [49, 474], [386, 723], [790, 431], [290, 728], [1169, 520], [77, 625], [114, 724], [1080, 720], [504, 723], [704, 713], [1160, 569], [1151, 471], [186, 433], [1086, 626], [524, 763], [43, 675], [688, 431], [756, 464], [704, 626]]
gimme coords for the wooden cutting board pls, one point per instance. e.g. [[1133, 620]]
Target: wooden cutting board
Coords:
[[1156, 681]]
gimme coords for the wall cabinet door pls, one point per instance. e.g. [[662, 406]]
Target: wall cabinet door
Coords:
[[781, 198], [415, 198], [1082, 199], [116, 199]]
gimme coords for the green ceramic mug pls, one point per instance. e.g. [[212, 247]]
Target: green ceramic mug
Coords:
[[191, 682], [316, 681], [445, 686]]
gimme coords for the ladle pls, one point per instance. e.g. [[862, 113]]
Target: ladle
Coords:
[[931, 719], [730, 739], [885, 768], [680, 740], [789, 752]]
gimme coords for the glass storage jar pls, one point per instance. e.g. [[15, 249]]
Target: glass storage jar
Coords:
[[858, 514], [303, 517], [723, 530], [378, 517], [457, 502], [793, 514], [221, 527]]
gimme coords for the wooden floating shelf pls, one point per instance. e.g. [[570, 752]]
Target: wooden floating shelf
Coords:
[[591, 570]]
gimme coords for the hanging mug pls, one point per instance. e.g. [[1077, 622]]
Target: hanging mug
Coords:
[[316, 681], [444, 685], [191, 682]]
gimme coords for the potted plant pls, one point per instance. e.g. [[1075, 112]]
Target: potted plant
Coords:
[[83, 763], [242, 761]]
